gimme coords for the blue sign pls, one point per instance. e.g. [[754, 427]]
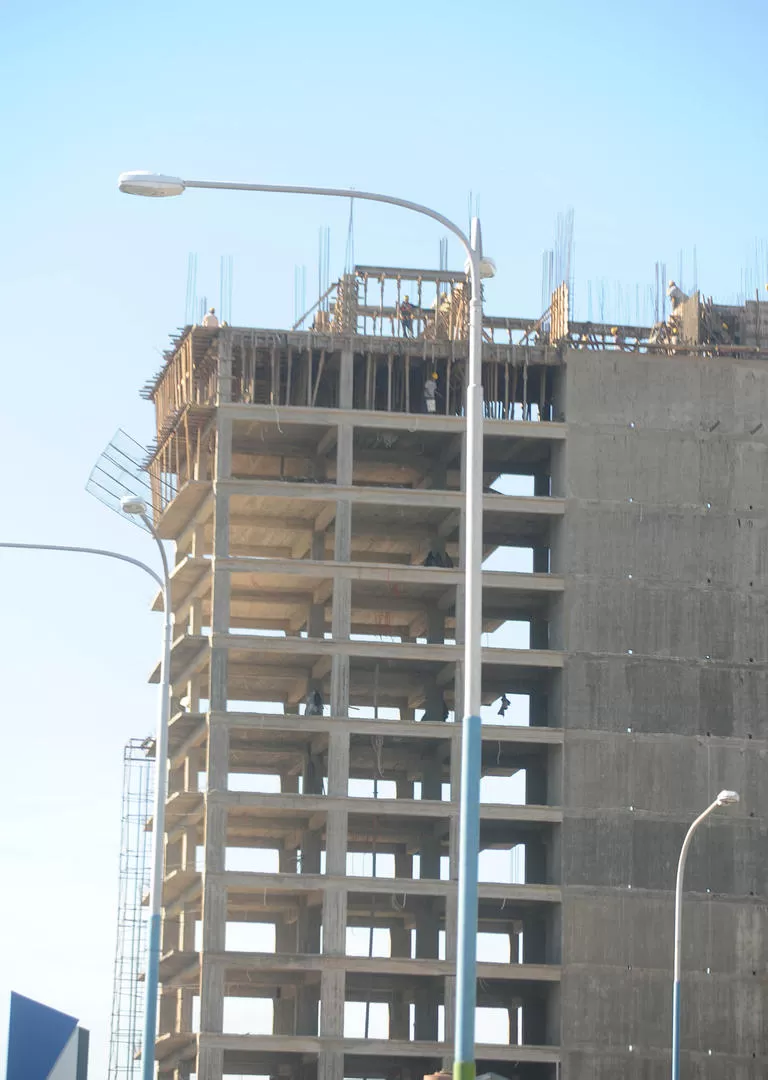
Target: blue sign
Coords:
[[44, 1044]]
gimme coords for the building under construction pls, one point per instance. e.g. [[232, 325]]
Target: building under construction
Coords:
[[316, 504]]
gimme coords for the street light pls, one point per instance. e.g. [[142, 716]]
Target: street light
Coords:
[[725, 798], [131, 505], [160, 186]]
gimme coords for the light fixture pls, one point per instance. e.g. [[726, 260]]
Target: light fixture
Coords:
[[153, 184]]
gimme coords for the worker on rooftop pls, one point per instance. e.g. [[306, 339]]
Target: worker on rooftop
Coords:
[[406, 317], [210, 319], [676, 295]]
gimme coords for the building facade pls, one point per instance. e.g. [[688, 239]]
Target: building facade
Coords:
[[317, 512]]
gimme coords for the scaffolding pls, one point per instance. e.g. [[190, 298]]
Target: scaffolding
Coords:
[[130, 949]]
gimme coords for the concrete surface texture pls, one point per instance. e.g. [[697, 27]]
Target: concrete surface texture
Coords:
[[663, 551]]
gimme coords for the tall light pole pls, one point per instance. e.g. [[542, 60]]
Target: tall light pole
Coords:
[[139, 508], [723, 799], [155, 185]]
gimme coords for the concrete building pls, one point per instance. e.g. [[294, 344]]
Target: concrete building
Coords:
[[317, 513]]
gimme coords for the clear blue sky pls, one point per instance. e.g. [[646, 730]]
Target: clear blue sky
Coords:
[[648, 119]]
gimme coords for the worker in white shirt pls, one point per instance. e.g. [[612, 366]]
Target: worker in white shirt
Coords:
[[430, 393], [676, 295], [210, 319]]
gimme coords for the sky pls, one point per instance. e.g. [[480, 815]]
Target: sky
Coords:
[[649, 120]]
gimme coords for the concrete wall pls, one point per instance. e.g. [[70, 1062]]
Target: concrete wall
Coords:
[[664, 548]]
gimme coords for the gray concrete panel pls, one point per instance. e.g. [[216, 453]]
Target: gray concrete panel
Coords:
[[674, 468], [633, 851], [729, 937], [617, 693], [661, 773], [606, 1007], [682, 545], [683, 392], [636, 1065]]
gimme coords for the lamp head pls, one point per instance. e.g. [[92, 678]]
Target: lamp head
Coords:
[[153, 184], [487, 268], [130, 504], [725, 798]]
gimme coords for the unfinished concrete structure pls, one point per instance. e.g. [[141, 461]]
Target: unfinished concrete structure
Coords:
[[305, 488]]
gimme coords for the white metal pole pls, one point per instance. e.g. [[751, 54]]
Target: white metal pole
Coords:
[[471, 742], [158, 825], [722, 798], [161, 754]]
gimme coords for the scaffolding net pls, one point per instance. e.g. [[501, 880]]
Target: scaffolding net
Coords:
[[131, 946]]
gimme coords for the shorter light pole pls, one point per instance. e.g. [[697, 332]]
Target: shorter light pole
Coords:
[[138, 508], [725, 798]]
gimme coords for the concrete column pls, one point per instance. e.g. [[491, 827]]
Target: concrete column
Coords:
[[332, 984], [346, 376], [535, 861], [536, 781], [221, 578], [193, 764], [214, 921], [400, 933], [330, 1065], [307, 998], [217, 763], [185, 999], [193, 694], [316, 619], [534, 1022], [342, 590], [167, 1013], [195, 618], [538, 709], [210, 1063], [224, 375], [534, 939], [197, 547], [189, 848], [539, 633], [285, 942], [512, 1014], [435, 625], [400, 940], [514, 946]]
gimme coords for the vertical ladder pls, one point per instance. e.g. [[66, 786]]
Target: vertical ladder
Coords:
[[131, 944]]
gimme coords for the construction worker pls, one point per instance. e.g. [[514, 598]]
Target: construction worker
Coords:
[[437, 558], [676, 295], [430, 393], [210, 320], [314, 706], [406, 317], [618, 337]]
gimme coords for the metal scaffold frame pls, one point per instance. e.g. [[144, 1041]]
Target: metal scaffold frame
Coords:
[[131, 941]]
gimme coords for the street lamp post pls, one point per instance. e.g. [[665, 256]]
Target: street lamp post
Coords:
[[723, 799], [138, 507], [152, 184]]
